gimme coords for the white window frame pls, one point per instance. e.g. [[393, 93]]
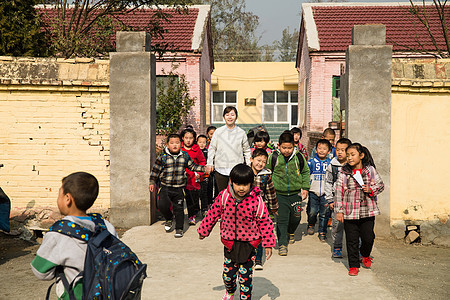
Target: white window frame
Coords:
[[289, 105], [224, 104]]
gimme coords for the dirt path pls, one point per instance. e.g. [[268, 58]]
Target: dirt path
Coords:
[[408, 271]]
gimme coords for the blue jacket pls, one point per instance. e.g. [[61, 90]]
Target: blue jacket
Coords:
[[318, 170]]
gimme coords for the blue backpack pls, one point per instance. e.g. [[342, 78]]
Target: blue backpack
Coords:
[[111, 269]]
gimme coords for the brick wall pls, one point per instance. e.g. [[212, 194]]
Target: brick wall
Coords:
[[54, 116]]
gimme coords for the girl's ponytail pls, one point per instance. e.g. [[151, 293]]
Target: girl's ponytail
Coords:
[[367, 159]]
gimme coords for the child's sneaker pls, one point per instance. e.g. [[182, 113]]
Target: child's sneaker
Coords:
[[291, 238], [168, 225], [367, 262], [192, 220], [258, 265], [282, 251], [179, 233], [353, 271], [337, 253], [227, 296], [322, 237], [310, 229]]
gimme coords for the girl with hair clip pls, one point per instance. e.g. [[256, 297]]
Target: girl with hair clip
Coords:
[[357, 187]]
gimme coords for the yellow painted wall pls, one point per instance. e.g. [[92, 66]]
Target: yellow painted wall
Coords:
[[420, 167], [250, 79]]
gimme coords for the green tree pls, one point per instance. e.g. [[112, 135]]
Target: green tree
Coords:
[[173, 103], [287, 46], [84, 27], [20, 30], [233, 31]]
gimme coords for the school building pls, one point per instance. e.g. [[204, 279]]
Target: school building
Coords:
[[263, 93]]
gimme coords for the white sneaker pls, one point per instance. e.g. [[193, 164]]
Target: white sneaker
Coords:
[[168, 226], [227, 296], [179, 233], [258, 267]]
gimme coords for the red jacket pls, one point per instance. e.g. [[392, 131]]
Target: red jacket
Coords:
[[197, 156]]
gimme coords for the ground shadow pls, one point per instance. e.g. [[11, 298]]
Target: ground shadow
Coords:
[[12, 247], [261, 287]]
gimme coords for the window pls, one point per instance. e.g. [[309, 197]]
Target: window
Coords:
[[280, 107], [336, 100], [220, 100]]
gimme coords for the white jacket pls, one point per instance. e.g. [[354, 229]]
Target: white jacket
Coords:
[[228, 148]]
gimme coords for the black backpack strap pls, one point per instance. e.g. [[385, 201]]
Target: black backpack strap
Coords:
[[301, 161], [274, 160], [334, 172], [59, 273], [98, 220]]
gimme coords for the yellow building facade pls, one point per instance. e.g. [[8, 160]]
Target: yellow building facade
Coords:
[[263, 93]]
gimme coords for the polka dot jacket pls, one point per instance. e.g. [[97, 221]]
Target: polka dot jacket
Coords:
[[245, 221]]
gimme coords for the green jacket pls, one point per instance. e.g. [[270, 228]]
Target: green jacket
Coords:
[[287, 178]]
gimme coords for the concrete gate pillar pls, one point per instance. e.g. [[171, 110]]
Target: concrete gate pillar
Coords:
[[133, 128], [367, 103]]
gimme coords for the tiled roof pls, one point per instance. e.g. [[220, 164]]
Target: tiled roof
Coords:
[[180, 26], [334, 25]]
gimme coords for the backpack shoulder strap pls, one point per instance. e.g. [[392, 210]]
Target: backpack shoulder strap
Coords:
[[334, 172], [260, 208], [71, 229], [98, 220], [223, 199], [301, 160], [274, 160]]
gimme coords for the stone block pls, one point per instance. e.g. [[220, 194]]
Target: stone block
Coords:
[[412, 237], [128, 41], [398, 229], [369, 34]]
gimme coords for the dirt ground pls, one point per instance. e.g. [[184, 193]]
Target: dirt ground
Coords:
[[408, 271]]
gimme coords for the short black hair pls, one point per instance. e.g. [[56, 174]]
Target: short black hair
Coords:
[[260, 152], [173, 136], [296, 130], [242, 174], [210, 128], [262, 136], [329, 131], [345, 141], [286, 137], [202, 136], [228, 109], [83, 187], [189, 130], [324, 142]]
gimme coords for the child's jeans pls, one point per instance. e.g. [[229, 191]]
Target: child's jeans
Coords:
[[172, 198], [354, 230], [337, 231], [316, 205], [289, 215], [204, 200], [243, 272], [259, 253]]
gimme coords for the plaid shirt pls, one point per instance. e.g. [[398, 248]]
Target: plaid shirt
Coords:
[[268, 193], [350, 199], [170, 169]]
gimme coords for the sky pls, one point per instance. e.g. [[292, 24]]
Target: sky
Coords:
[[276, 15]]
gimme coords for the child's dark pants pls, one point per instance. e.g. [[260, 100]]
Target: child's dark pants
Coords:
[[172, 197], [192, 199], [242, 272], [289, 215], [355, 229], [204, 200]]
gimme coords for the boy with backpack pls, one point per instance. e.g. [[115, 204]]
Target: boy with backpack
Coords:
[[67, 252], [170, 170], [331, 176], [291, 180]]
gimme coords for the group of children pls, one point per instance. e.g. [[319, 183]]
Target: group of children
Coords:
[[340, 182]]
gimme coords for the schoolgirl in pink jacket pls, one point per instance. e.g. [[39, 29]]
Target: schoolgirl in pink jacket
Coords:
[[245, 224]]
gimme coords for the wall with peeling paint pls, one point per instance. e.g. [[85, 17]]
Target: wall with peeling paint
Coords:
[[420, 135]]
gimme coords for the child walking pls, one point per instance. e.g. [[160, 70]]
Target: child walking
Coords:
[[77, 194], [297, 133], [291, 180], [317, 203], [263, 180], [333, 169], [245, 224], [357, 187], [170, 171], [193, 178], [261, 141], [329, 135]]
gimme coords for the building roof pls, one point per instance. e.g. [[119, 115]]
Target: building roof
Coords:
[[328, 26], [184, 30]]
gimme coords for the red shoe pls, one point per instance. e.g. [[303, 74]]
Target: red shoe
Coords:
[[353, 271], [367, 262]]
